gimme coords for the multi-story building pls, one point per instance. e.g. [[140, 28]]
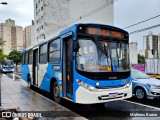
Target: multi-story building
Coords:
[[53, 15], [151, 42], [28, 34], [12, 35], [133, 53]]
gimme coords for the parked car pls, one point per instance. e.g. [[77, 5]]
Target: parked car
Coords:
[[143, 86]]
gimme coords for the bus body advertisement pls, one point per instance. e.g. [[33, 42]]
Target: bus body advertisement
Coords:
[[85, 63]]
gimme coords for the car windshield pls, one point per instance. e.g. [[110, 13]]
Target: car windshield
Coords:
[[139, 75], [99, 56]]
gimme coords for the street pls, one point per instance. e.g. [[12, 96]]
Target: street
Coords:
[[30, 100]]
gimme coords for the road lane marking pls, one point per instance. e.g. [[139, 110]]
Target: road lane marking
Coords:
[[142, 105]]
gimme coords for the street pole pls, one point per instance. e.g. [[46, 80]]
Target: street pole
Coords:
[[3, 3], [0, 89]]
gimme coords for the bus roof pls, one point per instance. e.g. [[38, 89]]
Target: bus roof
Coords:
[[72, 28]]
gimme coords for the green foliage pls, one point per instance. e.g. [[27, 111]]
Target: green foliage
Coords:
[[1, 42], [14, 55], [3, 57], [141, 59]]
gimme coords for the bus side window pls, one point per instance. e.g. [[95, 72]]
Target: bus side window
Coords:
[[43, 53], [22, 58], [54, 51], [30, 56], [26, 58]]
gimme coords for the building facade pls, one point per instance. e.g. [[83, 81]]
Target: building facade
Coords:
[[28, 34], [53, 15], [133, 53], [151, 43], [12, 35]]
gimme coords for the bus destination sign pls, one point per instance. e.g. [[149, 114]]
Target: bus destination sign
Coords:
[[104, 32]]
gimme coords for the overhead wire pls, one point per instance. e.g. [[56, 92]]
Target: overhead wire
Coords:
[[144, 29], [142, 21]]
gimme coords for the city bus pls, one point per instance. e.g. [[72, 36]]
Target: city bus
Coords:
[[7, 66], [85, 63]]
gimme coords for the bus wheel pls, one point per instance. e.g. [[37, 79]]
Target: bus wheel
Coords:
[[56, 93], [29, 82]]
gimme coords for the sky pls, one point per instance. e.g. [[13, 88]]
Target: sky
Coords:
[[129, 12], [19, 10], [126, 12]]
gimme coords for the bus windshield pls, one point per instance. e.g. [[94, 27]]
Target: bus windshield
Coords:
[[102, 56], [8, 63]]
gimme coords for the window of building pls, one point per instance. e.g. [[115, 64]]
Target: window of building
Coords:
[[36, 6], [54, 51], [42, 17], [41, 8], [43, 53]]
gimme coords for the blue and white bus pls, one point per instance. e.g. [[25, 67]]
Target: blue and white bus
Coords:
[[85, 63], [7, 66]]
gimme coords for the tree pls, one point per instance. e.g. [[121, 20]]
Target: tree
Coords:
[[14, 55], [141, 59], [1, 42], [3, 57]]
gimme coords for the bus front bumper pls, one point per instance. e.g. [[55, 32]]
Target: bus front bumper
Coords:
[[84, 96]]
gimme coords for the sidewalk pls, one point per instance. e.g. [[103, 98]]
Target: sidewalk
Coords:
[[16, 94]]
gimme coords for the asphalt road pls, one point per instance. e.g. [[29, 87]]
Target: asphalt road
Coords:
[[124, 109]]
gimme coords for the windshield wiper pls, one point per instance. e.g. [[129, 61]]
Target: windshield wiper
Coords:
[[101, 47], [119, 52]]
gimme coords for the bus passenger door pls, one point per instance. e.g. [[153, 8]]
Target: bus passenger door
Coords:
[[67, 68], [35, 67]]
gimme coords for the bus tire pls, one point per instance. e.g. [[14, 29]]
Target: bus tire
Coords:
[[29, 81], [56, 93]]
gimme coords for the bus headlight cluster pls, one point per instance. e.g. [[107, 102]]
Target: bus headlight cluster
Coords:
[[128, 85], [86, 86]]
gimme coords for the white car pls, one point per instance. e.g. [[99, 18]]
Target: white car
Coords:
[[143, 86]]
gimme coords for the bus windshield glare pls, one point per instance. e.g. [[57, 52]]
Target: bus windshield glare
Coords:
[[102, 56]]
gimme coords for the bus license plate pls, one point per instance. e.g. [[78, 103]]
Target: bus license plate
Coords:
[[113, 95]]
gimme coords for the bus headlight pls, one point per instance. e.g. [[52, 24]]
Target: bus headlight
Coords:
[[86, 86], [128, 85], [97, 84]]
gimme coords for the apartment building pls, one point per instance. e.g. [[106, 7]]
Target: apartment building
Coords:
[[53, 15], [28, 34], [151, 42], [12, 35]]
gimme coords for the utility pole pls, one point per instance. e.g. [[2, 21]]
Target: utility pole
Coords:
[[3, 3]]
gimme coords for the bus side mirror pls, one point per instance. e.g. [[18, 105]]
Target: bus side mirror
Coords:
[[75, 46]]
